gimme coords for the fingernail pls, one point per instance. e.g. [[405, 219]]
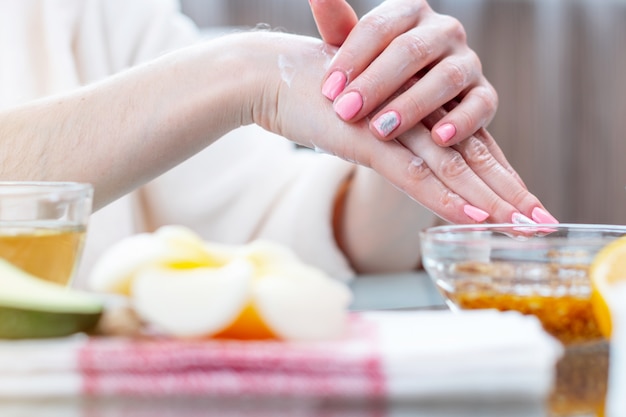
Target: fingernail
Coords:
[[386, 123], [334, 85], [519, 218], [348, 105], [446, 132], [542, 216], [475, 213]]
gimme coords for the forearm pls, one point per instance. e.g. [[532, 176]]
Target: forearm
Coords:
[[119, 133], [377, 226]]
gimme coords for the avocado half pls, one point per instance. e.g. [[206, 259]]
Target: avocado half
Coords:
[[33, 308]]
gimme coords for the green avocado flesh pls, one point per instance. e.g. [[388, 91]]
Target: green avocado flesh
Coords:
[[16, 323], [33, 308]]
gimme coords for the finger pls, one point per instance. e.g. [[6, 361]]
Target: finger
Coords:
[[437, 116], [450, 167], [441, 84], [475, 110], [483, 155], [411, 174], [334, 19], [497, 153], [408, 172], [481, 161], [371, 35]]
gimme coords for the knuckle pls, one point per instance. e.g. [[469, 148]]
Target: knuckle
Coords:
[[477, 153], [520, 197], [455, 29], [376, 24], [418, 170], [458, 31], [456, 73], [447, 198], [454, 166], [488, 99], [475, 61], [413, 46], [493, 205]]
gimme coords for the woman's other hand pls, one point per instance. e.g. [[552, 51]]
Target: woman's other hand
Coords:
[[403, 45]]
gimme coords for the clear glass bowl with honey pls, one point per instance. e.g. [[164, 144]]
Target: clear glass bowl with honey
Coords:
[[534, 269]]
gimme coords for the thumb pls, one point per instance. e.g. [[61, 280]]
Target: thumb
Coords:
[[334, 19]]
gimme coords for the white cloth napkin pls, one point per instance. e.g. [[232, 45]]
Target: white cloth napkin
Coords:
[[390, 355]]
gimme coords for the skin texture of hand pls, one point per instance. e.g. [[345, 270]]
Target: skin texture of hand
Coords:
[[452, 182], [126, 130], [403, 45]]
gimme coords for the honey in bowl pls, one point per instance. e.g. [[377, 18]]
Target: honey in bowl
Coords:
[[563, 307], [534, 270]]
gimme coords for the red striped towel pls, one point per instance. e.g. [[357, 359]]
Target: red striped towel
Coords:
[[383, 355]]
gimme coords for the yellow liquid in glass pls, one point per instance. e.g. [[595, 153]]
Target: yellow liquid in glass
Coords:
[[47, 252]]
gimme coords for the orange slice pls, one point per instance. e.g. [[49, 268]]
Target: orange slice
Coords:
[[608, 270]]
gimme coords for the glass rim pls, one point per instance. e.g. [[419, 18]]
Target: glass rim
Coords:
[[498, 227], [515, 236], [8, 188]]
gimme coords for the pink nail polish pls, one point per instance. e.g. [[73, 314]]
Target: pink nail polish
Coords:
[[334, 85], [542, 216], [386, 123], [347, 106], [519, 218], [446, 132], [475, 213]]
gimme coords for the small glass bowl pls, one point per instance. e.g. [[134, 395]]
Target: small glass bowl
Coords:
[[534, 269]]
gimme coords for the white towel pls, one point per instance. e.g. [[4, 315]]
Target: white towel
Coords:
[[387, 355]]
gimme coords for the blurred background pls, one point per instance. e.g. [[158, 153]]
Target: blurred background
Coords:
[[557, 66]]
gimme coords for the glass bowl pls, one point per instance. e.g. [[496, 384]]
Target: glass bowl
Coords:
[[534, 269]]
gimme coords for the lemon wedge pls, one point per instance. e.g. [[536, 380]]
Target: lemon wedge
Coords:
[[607, 272]]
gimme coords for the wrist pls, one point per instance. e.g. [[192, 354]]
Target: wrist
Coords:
[[218, 84]]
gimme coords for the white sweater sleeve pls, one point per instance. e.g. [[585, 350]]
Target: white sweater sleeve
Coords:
[[253, 184], [250, 184], [115, 34]]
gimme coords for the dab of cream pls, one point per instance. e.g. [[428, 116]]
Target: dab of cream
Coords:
[[287, 69], [416, 166]]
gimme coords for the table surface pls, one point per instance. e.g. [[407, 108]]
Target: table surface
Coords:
[[411, 290]]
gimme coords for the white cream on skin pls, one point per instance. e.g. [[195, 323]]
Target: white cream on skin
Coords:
[[287, 66]]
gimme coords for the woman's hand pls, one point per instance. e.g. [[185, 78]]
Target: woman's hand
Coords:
[[469, 182], [403, 45]]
